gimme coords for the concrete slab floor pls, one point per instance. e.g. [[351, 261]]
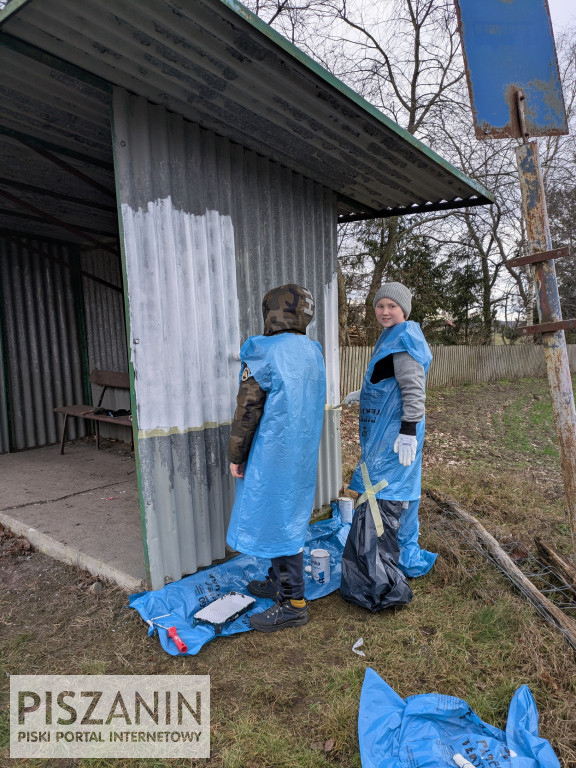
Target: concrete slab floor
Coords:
[[82, 507]]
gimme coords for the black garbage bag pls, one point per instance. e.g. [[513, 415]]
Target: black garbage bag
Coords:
[[370, 574]]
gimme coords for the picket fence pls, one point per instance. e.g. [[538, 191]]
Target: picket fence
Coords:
[[459, 365]]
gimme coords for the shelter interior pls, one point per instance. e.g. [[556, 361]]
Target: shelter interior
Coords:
[[62, 315]]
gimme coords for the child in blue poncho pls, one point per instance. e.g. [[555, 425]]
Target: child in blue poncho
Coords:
[[392, 422], [273, 451]]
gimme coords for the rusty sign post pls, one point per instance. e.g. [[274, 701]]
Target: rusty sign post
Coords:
[[515, 91], [550, 316]]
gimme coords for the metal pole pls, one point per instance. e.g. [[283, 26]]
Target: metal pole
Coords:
[[548, 303]]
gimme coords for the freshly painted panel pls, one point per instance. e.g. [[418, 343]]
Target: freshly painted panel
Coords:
[[208, 227], [184, 316], [331, 348], [329, 477]]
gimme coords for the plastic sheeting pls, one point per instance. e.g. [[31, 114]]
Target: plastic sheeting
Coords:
[[370, 574], [427, 730], [181, 599]]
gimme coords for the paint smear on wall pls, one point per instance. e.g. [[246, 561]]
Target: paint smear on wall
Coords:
[[331, 348]]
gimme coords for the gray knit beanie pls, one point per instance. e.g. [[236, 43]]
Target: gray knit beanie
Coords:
[[395, 292]]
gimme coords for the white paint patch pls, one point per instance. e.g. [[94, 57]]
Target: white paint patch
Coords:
[[184, 315], [331, 347]]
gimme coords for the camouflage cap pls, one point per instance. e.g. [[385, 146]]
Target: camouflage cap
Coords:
[[287, 308]]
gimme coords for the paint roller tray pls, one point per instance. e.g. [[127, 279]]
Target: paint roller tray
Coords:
[[224, 609]]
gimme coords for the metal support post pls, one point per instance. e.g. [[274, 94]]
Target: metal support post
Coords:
[[548, 303]]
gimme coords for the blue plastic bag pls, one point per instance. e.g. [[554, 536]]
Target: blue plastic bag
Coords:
[[177, 603], [427, 730]]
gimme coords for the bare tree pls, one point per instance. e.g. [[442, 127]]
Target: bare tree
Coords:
[[405, 64], [404, 57], [401, 57]]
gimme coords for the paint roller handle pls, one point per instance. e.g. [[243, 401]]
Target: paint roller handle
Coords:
[[182, 647]]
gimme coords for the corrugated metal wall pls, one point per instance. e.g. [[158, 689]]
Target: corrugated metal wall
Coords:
[[460, 365], [41, 339], [4, 434], [208, 228], [104, 311], [106, 329], [55, 327]]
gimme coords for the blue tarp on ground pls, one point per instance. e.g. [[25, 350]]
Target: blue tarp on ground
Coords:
[[183, 598], [427, 730]]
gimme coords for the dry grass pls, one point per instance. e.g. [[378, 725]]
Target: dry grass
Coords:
[[291, 699]]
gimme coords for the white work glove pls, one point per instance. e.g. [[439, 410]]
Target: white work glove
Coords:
[[405, 446], [352, 397]]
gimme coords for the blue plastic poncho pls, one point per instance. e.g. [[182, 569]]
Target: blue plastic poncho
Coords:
[[274, 501], [414, 561], [427, 730], [379, 425], [381, 416]]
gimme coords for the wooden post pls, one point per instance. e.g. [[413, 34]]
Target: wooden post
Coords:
[[548, 301], [545, 607]]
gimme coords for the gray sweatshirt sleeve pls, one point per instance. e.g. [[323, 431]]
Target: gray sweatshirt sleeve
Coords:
[[412, 382]]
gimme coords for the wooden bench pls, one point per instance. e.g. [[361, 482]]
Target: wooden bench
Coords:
[[104, 379]]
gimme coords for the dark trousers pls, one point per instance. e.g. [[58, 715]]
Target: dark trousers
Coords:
[[287, 573]]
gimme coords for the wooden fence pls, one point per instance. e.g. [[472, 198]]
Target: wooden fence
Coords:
[[459, 365]]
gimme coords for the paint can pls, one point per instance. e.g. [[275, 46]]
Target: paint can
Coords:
[[320, 559], [346, 508], [461, 761]]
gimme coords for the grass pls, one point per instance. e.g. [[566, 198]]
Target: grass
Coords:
[[525, 427], [290, 700]]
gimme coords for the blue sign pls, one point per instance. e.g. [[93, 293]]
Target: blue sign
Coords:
[[509, 47]]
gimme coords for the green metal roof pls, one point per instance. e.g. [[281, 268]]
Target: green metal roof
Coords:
[[220, 66]]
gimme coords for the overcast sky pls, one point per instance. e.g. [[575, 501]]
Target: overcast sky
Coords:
[[563, 13]]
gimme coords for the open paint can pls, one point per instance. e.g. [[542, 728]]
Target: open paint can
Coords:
[[320, 559], [346, 509]]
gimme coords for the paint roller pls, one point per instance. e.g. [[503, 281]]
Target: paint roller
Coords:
[[224, 609], [172, 632]]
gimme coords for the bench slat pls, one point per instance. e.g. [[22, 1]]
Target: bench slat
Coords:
[[124, 421], [117, 379], [74, 410], [87, 412]]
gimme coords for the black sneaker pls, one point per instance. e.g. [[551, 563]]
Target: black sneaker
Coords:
[[280, 616], [266, 588]]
